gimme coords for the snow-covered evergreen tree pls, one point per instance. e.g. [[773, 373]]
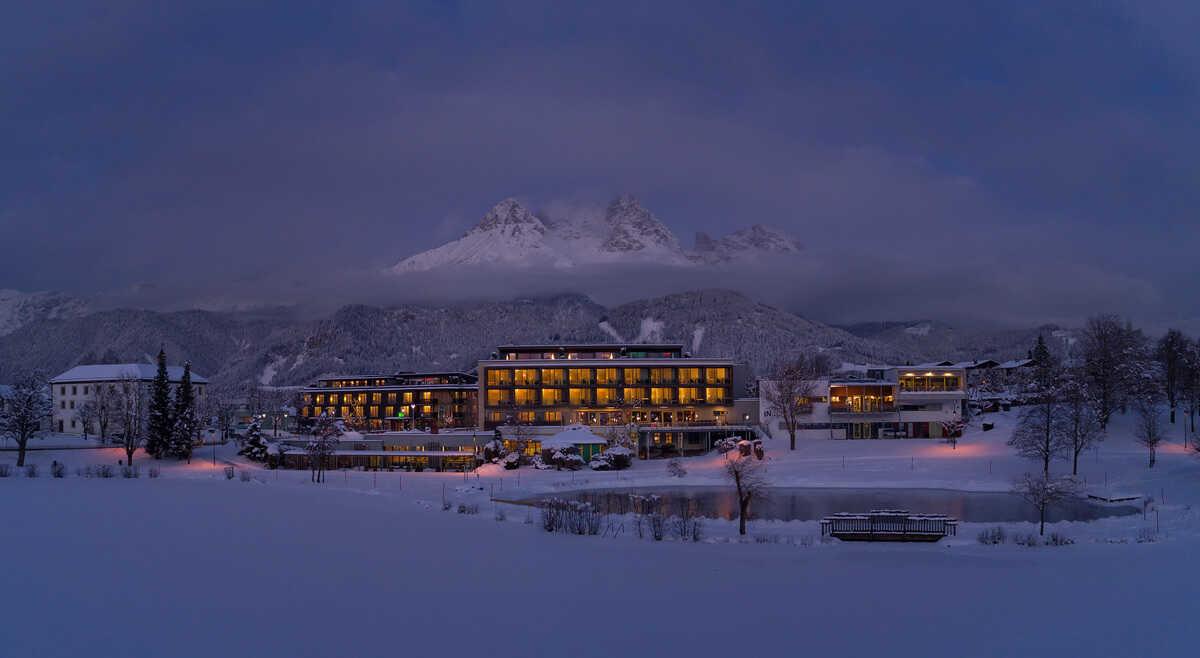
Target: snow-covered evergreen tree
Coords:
[[254, 447], [159, 425], [183, 428]]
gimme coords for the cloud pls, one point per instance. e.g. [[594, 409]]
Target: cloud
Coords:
[[1019, 161]]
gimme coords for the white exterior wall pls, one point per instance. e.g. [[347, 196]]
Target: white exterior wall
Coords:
[[67, 398]]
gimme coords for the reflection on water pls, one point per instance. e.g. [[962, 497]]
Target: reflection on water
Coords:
[[808, 504]]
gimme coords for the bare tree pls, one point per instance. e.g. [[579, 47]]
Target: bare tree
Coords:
[[749, 478], [1190, 384], [325, 440], [106, 408], [86, 415], [1172, 354], [26, 408], [789, 392], [1043, 492], [132, 413], [1149, 429], [1110, 350], [1041, 429], [1079, 420]]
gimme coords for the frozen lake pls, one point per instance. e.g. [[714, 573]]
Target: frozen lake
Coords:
[[811, 504]]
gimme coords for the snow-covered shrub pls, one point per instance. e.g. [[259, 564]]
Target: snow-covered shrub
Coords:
[[464, 508], [5, 470], [229, 472], [1146, 536], [540, 464], [1031, 540], [31, 470], [571, 517], [58, 470], [805, 541], [104, 471], [726, 444], [245, 475], [992, 536], [154, 472], [446, 506], [511, 461], [616, 458], [494, 451], [1059, 539], [675, 469], [757, 449], [500, 514], [130, 472], [567, 458], [766, 539]]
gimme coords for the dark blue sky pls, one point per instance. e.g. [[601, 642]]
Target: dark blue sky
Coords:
[[1036, 158]]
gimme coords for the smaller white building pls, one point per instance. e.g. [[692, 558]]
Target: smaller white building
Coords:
[[71, 390]]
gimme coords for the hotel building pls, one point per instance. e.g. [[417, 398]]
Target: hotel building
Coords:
[[403, 401], [676, 403]]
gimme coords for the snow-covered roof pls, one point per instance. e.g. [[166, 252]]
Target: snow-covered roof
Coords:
[[103, 372], [574, 435], [1015, 363]]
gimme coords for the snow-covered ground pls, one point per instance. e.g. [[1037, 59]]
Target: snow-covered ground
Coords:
[[192, 564]]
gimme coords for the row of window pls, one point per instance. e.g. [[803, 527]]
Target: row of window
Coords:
[[407, 397], [652, 418], [604, 376], [583, 397], [373, 411], [112, 388]]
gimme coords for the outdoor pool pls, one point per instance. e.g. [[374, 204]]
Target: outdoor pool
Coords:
[[811, 504]]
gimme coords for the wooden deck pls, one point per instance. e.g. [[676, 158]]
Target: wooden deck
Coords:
[[889, 525]]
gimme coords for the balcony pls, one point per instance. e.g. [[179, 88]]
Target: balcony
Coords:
[[843, 408]]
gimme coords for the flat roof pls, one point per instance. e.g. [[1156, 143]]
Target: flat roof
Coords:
[[595, 346]]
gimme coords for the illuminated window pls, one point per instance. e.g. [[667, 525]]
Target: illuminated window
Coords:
[[427, 409], [551, 397], [499, 377], [373, 411], [525, 396], [716, 375], [552, 377], [606, 395], [687, 395], [497, 397], [662, 395], [635, 376], [580, 376], [391, 398], [525, 376], [634, 394], [321, 398], [662, 375], [408, 397], [606, 376], [714, 395], [389, 411], [526, 416], [580, 396], [377, 397], [553, 416]]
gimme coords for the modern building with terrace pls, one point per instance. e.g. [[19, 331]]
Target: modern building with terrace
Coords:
[[674, 403], [404, 401], [878, 402], [453, 450]]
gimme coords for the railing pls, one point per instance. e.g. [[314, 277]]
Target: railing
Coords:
[[847, 409]]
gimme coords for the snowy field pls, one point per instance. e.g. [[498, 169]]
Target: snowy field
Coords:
[[192, 564]]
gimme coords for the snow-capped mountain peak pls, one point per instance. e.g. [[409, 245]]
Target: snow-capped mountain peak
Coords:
[[509, 217], [624, 232], [751, 242], [633, 228], [508, 235]]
